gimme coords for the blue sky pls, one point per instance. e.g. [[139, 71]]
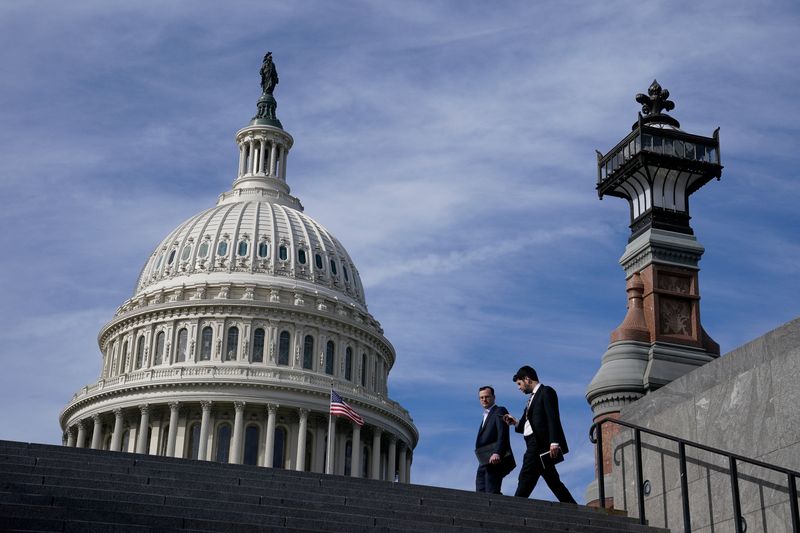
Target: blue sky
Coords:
[[448, 145]]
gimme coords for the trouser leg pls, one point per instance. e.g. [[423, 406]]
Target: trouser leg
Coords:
[[480, 479], [493, 479], [553, 480], [529, 473]]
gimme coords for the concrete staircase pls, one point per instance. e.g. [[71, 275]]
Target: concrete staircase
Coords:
[[53, 488]]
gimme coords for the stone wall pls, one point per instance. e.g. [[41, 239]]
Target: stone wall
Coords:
[[746, 402]]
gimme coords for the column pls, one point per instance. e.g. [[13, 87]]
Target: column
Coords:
[[376, 453], [238, 431], [284, 152], [402, 465], [301, 440], [269, 446], [273, 155], [262, 156], [392, 467], [97, 432], [144, 422], [116, 436], [241, 159], [202, 448], [70, 437], [173, 428], [330, 458], [81, 442], [355, 457], [409, 459]]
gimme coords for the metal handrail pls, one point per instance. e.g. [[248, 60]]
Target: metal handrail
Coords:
[[596, 437]]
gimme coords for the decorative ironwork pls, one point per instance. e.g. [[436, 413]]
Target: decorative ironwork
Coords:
[[654, 103]]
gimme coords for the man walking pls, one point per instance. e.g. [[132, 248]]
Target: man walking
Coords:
[[541, 426], [492, 445]]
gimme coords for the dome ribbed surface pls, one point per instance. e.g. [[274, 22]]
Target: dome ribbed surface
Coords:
[[264, 242]]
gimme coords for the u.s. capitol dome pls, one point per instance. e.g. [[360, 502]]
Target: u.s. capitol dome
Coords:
[[243, 319]]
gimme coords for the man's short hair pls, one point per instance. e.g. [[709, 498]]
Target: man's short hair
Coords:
[[491, 389], [526, 372]]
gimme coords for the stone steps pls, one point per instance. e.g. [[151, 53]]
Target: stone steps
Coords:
[[54, 488]]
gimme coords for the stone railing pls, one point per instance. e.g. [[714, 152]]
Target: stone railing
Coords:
[[225, 374]]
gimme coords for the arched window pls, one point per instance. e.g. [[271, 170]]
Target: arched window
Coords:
[[365, 463], [159, 357], [251, 445], [160, 260], [309, 451], [206, 340], [279, 449], [263, 249], [348, 457], [308, 352], [258, 345], [318, 261], [193, 445], [123, 357], [283, 348], [301, 256], [363, 370], [330, 354], [222, 248], [283, 253], [344, 271], [140, 352], [162, 446], [126, 439], [333, 267], [241, 250], [232, 346], [202, 251], [112, 370], [183, 337], [223, 443], [187, 250], [171, 257], [348, 364]]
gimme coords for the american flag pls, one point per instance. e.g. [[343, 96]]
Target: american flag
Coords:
[[340, 408]]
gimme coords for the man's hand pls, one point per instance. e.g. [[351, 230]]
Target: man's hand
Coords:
[[510, 420], [494, 459], [554, 450]]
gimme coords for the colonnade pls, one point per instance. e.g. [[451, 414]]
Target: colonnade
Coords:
[[239, 432], [262, 156]]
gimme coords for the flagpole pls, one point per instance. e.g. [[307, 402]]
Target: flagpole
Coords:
[[331, 437]]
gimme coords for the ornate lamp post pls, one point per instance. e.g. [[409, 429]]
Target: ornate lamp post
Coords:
[[655, 168]]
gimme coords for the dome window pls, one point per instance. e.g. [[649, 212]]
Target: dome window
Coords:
[[202, 252], [348, 364], [333, 267], [318, 261], [301, 256], [258, 345], [283, 253], [140, 352], [160, 260], [344, 271], [183, 337], [283, 348], [205, 343], [159, 358], [308, 352], [241, 250], [171, 257], [222, 248], [187, 250], [330, 354], [263, 249], [232, 346]]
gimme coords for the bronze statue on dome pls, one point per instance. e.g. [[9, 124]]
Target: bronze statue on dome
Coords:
[[269, 74]]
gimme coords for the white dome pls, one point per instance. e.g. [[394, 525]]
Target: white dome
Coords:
[[253, 242]]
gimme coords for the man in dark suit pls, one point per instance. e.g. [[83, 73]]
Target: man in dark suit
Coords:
[[541, 426], [492, 445]]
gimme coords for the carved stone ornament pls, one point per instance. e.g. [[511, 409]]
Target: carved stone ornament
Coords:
[[677, 284], [675, 317]]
